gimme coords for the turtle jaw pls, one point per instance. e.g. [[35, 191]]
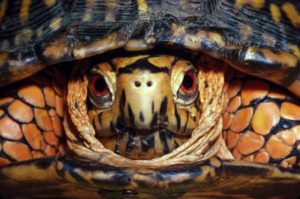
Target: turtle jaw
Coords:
[[143, 144]]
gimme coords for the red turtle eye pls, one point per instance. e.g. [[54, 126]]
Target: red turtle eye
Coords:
[[189, 82], [98, 86]]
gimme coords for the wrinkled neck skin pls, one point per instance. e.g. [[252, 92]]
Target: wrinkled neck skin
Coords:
[[147, 110]]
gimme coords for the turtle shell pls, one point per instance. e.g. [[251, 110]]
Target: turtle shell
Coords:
[[257, 37], [261, 38]]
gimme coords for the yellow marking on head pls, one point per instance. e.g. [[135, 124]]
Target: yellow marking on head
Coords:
[[122, 62], [88, 10], [24, 11], [275, 12], [3, 6], [162, 61], [143, 9], [55, 23], [105, 67], [295, 49], [106, 70], [256, 4], [292, 14], [49, 3]]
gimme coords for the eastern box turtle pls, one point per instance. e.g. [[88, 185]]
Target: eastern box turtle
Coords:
[[149, 98]]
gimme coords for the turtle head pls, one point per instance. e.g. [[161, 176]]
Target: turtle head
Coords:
[[143, 106]]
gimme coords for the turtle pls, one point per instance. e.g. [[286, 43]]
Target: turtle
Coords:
[[149, 99]]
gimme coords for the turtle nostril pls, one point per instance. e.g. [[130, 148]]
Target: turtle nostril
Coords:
[[137, 83], [149, 83]]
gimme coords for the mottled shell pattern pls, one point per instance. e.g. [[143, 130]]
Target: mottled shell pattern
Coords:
[[258, 37]]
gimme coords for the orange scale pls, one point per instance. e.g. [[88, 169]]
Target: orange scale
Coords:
[[266, 116], [33, 95], [277, 94], [227, 119], [4, 161], [50, 151], [6, 100], [234, 88], [33, 136], [51, 138], [232, 139], [9, 129], [290, 111], [262, 157], [250, 142], [287, 137], [234, 104], [249, 158], [42, 119], [236, 154], [20, 111], [296, 132], [17, 150], [59, 106], [37, 154], [253, 90], [241, 119], [277, 148], [49, 96], [57, 124], [289, 162]]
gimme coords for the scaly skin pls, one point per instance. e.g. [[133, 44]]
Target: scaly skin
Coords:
[[31, 119], [260, 121]]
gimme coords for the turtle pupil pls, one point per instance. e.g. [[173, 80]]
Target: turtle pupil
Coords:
[[100, 84], [188, 81]]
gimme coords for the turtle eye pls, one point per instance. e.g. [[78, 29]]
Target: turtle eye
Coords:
[[188, 92], [99, 92], [189, 83], [98, 86]]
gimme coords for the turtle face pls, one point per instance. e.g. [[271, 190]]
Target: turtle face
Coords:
[[145, 106]]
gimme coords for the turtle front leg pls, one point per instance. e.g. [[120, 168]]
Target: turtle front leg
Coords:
[[31, 114], [262, 122]]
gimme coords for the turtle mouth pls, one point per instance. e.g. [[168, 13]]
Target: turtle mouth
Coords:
[[143, 144]]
